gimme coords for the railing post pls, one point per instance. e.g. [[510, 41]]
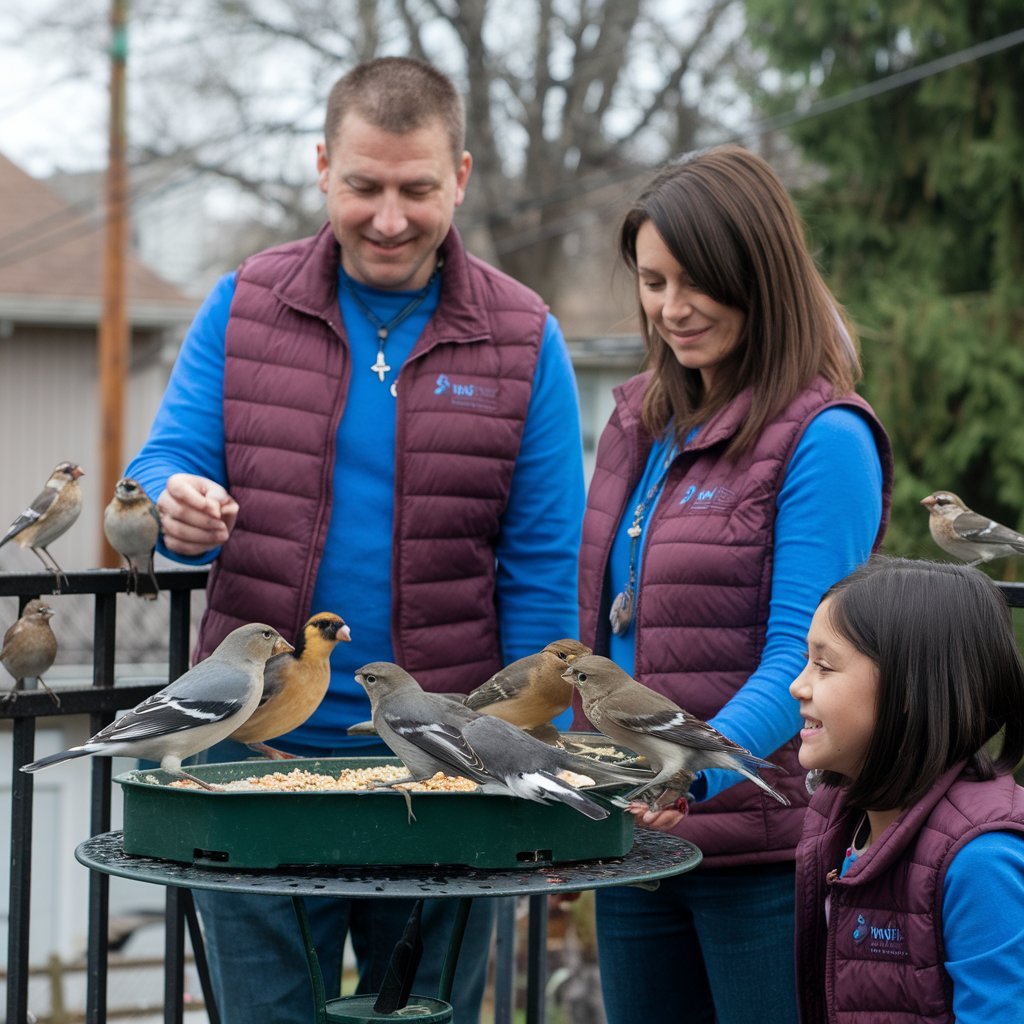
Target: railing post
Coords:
[[104, 648], [22, 752]]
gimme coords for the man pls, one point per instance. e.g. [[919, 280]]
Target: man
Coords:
[[375, 423]]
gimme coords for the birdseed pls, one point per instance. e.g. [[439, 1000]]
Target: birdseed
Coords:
[[299, 780]]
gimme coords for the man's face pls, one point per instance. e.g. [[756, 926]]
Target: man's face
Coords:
[[390, 199]]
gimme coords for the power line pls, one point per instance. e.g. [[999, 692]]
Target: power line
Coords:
[[859, 94], [588, 184]]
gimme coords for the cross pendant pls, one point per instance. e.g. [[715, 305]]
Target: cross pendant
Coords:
[[380, 367]]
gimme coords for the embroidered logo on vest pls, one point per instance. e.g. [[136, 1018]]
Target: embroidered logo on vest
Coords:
[[881, 942], [711, 498], [465, 394]]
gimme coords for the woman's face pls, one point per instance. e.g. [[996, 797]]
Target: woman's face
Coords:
[[701, 332], [838, 694]]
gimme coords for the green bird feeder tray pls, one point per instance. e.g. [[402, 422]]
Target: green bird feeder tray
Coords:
[[278, 829]]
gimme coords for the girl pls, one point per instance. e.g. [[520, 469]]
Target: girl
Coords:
[[910, 872]]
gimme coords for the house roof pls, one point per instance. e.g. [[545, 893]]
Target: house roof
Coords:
[[51, 261]]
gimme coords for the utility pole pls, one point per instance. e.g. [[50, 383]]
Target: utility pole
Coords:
[[114, 341]]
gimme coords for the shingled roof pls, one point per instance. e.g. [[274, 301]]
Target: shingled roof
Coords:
[[51, 261]]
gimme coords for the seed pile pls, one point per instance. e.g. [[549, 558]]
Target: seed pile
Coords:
[[299, 780]]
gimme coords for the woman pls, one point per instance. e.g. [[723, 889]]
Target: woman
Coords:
[[737, 479]]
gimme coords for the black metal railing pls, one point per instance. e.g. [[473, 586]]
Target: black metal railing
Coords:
[[101, 701]]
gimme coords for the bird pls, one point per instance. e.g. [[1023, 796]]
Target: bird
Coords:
[[675, 743], [294, 684], [967, 535], [51, 514], [29, 649], [197, 710], [430, 734], [530, 692], [131, 523]]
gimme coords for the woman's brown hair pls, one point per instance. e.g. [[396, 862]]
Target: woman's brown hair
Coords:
[[728, 221]]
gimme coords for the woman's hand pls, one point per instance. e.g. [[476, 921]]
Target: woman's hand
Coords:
[[662, 819]]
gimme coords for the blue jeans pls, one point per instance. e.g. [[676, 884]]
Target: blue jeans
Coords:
[[258, 963], [711, 947]]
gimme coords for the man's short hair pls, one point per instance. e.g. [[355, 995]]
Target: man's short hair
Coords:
[[398, 94]]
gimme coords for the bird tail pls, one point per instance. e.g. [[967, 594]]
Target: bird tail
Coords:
[[545, 787], [609, 774], [749, 767], [64, 755], [146, 585]]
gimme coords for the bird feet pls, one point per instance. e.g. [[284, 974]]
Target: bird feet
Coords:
[[199, 782], [378, 784], [271, 753]]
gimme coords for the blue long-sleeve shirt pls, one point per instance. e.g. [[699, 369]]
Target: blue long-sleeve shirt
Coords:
[[540, 529], [828, 513]]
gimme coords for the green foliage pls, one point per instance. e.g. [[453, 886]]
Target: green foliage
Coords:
[[916, 210]]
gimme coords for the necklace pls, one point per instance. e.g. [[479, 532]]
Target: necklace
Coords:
[[621, 614], [383, 329]]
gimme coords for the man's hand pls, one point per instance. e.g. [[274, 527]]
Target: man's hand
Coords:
[[196, 514]]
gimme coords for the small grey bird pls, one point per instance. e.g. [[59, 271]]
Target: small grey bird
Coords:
[[131, 523], [676, 743], [966, 535], [29, 649], [530, 691], [51, 514], [430, 734], [197, 710]]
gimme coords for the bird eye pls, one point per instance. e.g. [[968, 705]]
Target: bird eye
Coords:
[[564, 655], [581, 676], [370, 677], [268, 633]]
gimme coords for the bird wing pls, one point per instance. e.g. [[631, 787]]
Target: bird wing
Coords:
[[674, 727], [442, 741], [980, 529], [500, 687], [163, 714], [46, 497]]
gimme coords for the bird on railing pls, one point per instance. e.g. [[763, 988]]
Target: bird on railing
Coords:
[[131, 524], [675, 743], [967, 535], [200, 708], [294, 684], [51, 514], [29, 649]]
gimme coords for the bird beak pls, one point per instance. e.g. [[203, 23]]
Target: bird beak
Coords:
[[281, 647], [567, 675], [345, 633], [77, 472], [928, 502]]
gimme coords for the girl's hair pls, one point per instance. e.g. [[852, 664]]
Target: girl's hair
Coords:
[[728, 221], [398, 94], [950, 675]]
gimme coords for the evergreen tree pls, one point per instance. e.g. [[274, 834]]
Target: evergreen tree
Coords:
[[917, 208]]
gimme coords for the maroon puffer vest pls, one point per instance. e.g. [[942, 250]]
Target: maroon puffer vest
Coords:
[[703, 600], [286, 377], [881, 955]]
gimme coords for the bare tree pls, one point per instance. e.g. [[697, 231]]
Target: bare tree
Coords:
[[567, 100]]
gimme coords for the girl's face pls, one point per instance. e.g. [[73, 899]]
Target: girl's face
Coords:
[[837, 691], [700, 331]]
